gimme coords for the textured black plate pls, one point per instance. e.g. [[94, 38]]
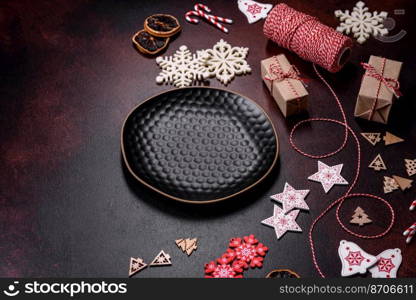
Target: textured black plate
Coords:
[[199, 144]]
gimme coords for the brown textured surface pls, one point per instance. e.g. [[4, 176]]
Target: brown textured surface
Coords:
[[69, 76]]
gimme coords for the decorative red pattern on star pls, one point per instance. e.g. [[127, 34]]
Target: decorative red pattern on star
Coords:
[[354, 258], [254, 9]]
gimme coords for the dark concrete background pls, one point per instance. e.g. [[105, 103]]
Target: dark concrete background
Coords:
[[69, 76]]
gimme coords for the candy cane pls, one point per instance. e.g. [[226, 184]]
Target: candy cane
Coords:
[[410, 232], [412, 206], [199, 11]]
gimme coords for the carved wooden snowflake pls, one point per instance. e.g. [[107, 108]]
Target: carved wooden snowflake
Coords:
[[181, 69], [224, 61], [361, 22]]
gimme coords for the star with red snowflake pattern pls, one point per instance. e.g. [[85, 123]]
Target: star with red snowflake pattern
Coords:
[[328, 176], [282, 222], [354, 258]]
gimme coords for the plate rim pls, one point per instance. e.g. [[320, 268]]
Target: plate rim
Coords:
[[142, 181]]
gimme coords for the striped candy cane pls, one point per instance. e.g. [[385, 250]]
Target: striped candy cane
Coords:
[[410, 232], [199, 11], [412, 206]]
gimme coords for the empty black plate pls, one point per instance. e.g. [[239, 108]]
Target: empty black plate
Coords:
[[199, 144]]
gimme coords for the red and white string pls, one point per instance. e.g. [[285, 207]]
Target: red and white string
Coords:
[[307, 37], [201, 10]]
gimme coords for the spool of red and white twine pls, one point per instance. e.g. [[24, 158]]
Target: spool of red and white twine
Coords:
[[201, 10], [307, 37], [320, 44]]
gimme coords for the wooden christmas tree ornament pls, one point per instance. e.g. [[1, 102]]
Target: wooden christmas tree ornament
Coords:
[[410, 166], [136, 265], [162, 259], [360, 217], [403, 183], [378, 163], [390, 185], [390, 139], [187, 245], [372, 137]]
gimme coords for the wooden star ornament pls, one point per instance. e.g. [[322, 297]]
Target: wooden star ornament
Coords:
[[291, 198], [282, 222], [328, 176]]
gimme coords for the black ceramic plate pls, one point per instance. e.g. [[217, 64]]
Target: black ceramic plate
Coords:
[[199, 144]]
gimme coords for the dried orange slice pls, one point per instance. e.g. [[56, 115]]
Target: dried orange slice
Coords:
[[149, 44], [162, 25], [282, 273]]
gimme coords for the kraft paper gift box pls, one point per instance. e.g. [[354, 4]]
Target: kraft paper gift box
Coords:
[[284, 83], [378, 86]]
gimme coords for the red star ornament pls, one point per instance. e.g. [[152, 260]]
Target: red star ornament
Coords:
[[328, 176], [388, 264], [354, 259]]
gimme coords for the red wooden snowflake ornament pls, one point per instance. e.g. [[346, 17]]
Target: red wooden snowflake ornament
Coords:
[[249, 251]]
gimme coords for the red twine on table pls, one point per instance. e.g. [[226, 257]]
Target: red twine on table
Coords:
[[392, 84], [339, 202], [307, 37]]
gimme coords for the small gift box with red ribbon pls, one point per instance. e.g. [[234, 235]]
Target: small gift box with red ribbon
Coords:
[[379, 86], [285, 84]]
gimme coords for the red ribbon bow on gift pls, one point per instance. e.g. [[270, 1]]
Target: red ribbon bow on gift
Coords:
[[276, 73], [390, 83]]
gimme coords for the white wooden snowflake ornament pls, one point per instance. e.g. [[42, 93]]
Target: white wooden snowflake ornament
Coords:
[[181, 69], [388, 263], [361, 22], [224, 61], [254, 11], [354, 259]]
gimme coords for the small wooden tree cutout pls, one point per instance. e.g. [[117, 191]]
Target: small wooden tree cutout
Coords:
[[136, 265], [378, 163], [389, 185], [410, 166], [403, 183], [360, 217], [390, 139], [162, 259], [372, 137], [187, 245]]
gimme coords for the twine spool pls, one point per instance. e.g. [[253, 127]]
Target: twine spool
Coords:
[[307, 37]]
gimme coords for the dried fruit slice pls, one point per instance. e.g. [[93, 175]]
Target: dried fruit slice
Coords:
[[149, 44], [282, 273], [162, 25]]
